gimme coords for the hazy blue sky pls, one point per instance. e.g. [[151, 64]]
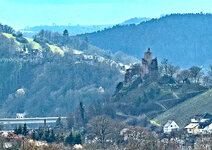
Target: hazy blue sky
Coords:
[[20, 13]]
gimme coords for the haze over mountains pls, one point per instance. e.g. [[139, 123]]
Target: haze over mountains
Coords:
[[73, 29], [77, 29], [184, 39]]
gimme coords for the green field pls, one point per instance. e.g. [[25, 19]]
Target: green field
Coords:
[[20, 45], [34, 44], [183, 112], [56, 49]]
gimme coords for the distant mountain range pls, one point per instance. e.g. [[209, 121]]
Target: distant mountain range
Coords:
[[184, 39], [73, 29], [77, 29]]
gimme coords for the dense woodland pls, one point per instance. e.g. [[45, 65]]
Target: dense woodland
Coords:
[[52, 84], [184, 39]]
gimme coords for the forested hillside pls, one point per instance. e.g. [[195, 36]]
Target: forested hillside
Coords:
[[184, 39], [47, 76]]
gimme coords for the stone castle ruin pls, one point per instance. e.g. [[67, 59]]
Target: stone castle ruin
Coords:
[[148, 67]]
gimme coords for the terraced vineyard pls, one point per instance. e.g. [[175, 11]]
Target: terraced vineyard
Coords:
[[183, 112]]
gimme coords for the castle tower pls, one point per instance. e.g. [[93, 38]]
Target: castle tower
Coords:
[[148, 56], [148, 64]]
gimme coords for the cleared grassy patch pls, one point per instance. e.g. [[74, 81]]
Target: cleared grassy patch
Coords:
[[154, 123], [183, 112], [34, 44], [56, 49], [8, 35]]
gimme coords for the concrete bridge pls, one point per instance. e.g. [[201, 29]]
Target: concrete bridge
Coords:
[[39, 120], [31, 122]]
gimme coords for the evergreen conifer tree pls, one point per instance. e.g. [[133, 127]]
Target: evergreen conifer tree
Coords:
[[65, 32], [46, 135], [25, 130], [16, 130], [82, 113], [19, 131], [78, 139], [59, 123], [40, 133], [60, 137], [34, 136], [70, 139], [52, 137]]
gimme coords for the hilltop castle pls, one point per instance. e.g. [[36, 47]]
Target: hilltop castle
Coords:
[[148, 66]]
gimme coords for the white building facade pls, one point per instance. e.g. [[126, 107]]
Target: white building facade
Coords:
[[170, 126]]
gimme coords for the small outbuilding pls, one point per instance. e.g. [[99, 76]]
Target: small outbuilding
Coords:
[[20, 115]]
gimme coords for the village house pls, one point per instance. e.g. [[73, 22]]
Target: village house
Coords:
[[209, 128], [170, 126], [204, 127], [200, 124], [201, 118], [192, 128]]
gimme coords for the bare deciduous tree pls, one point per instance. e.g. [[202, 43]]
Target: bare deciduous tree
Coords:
[[183, 75], [103, 129], [164, 67], [195, 73], [172, 70]]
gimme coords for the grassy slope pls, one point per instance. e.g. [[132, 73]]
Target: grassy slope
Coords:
[[10, 36], [183, 112], [35, 45], [56, 49], [20, 46]]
